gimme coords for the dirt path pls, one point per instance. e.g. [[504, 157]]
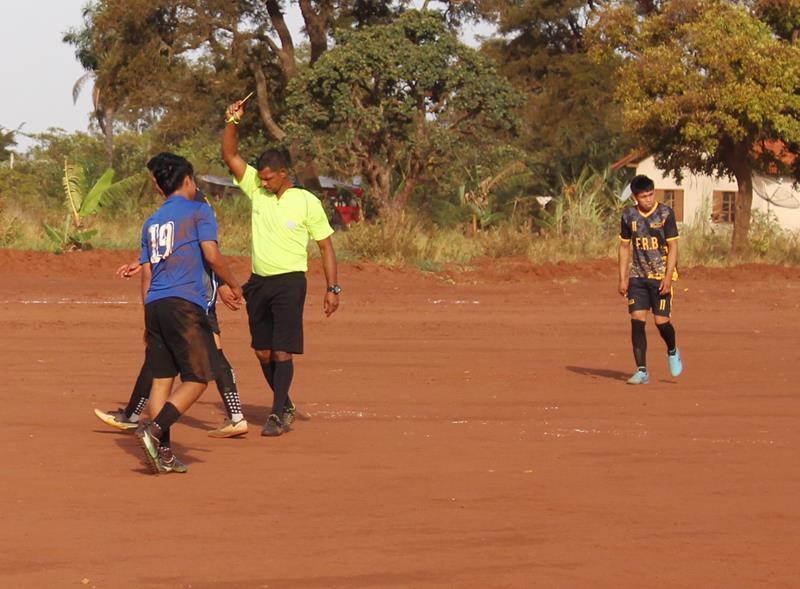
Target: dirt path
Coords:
[[468, 431]]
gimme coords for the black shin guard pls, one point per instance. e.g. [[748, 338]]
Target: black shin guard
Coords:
[[226, 384], [167, 416], [268, 368], [282, 379], [141, 391], [667, 332], [639, 341]]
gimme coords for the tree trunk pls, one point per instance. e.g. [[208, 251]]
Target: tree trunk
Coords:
[[378, 180], [743, 173], [305, 166], [108, 135]]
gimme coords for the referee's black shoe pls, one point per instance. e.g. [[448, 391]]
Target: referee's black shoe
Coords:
[[273, 427]]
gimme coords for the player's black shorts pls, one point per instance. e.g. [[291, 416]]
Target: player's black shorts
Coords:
[[179, 340], [213, 321], [643, 295], [275, 311]]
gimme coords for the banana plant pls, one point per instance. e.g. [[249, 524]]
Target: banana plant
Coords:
[[81, 202]]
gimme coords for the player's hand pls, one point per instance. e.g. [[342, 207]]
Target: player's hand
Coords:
[[128, 270], [235, 112], [231, 297], [330, 304], [623, 288], [666, 285]]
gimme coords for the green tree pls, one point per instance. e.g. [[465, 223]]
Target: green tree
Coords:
[[571, 119], [178, 63], [7, 141], [704, 87], [393, 102]]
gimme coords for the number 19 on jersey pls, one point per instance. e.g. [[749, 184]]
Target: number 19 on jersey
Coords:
[[161, 241]]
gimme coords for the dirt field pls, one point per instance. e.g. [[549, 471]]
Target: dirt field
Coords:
[[471, 430]]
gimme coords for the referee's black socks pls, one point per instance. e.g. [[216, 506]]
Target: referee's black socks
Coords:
[[281, 382], [639, 341]]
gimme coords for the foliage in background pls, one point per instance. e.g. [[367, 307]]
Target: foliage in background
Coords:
[[83, 200], [394, 102], [570, 117], [706, 85]]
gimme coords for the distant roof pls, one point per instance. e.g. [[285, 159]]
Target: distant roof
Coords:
[[777, 148], [324, 182], [630, 160], [218, 180]]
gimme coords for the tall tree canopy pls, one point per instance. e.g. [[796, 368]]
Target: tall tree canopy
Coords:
[[394, 101], [705, 85], [570, 116]]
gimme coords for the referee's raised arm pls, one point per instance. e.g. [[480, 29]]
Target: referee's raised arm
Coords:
[[230, 144]]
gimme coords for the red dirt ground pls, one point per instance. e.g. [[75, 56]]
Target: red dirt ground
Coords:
[[469, 430]]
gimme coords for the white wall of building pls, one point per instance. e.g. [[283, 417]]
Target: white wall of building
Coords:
[[697, 187]]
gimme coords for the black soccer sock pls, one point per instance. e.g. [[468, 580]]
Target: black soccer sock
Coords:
[[639, 341], [226, 384], [268, 368], [282, 379], [164, 441], [667, 332], [269, 374], [168, 415], [141, 391]]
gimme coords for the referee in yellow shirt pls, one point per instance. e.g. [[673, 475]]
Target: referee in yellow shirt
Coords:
[[283, 218]]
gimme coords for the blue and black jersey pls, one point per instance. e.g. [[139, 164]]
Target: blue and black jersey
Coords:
[[648, 234], [171, 244]]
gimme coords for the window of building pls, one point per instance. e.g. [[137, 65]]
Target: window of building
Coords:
[[724, 206]]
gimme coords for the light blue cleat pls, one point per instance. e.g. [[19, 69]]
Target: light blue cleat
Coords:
[[675, 363], [639, 377]]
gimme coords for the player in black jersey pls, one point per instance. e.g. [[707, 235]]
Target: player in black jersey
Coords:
[[649, 231]]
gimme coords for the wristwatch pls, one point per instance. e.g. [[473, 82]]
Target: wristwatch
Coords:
[[335, 289]]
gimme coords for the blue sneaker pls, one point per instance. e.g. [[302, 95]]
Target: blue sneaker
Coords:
[[639, 377], [675, 363]]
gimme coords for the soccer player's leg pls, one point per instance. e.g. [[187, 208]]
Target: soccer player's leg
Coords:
[[161, 362], [287, 340], [662, 315], [235, 423], [260, 293], [127, 419], [187, 337], [638, 306]]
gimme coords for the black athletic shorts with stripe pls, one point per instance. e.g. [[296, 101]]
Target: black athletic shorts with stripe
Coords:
[[180, 341], [275, 311], [643, 295]]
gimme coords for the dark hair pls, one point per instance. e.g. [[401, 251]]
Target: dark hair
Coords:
[[169, 170], [274, 159], [641, 183]]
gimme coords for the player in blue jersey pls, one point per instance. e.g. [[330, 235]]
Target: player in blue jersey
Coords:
[[649, 231], [179, 244], [127, 418]]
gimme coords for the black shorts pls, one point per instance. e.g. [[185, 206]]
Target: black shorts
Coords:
[[643, 295], [213, 321], [275, 311], [179, 340]]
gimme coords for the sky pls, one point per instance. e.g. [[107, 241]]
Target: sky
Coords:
[[38, 70]]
